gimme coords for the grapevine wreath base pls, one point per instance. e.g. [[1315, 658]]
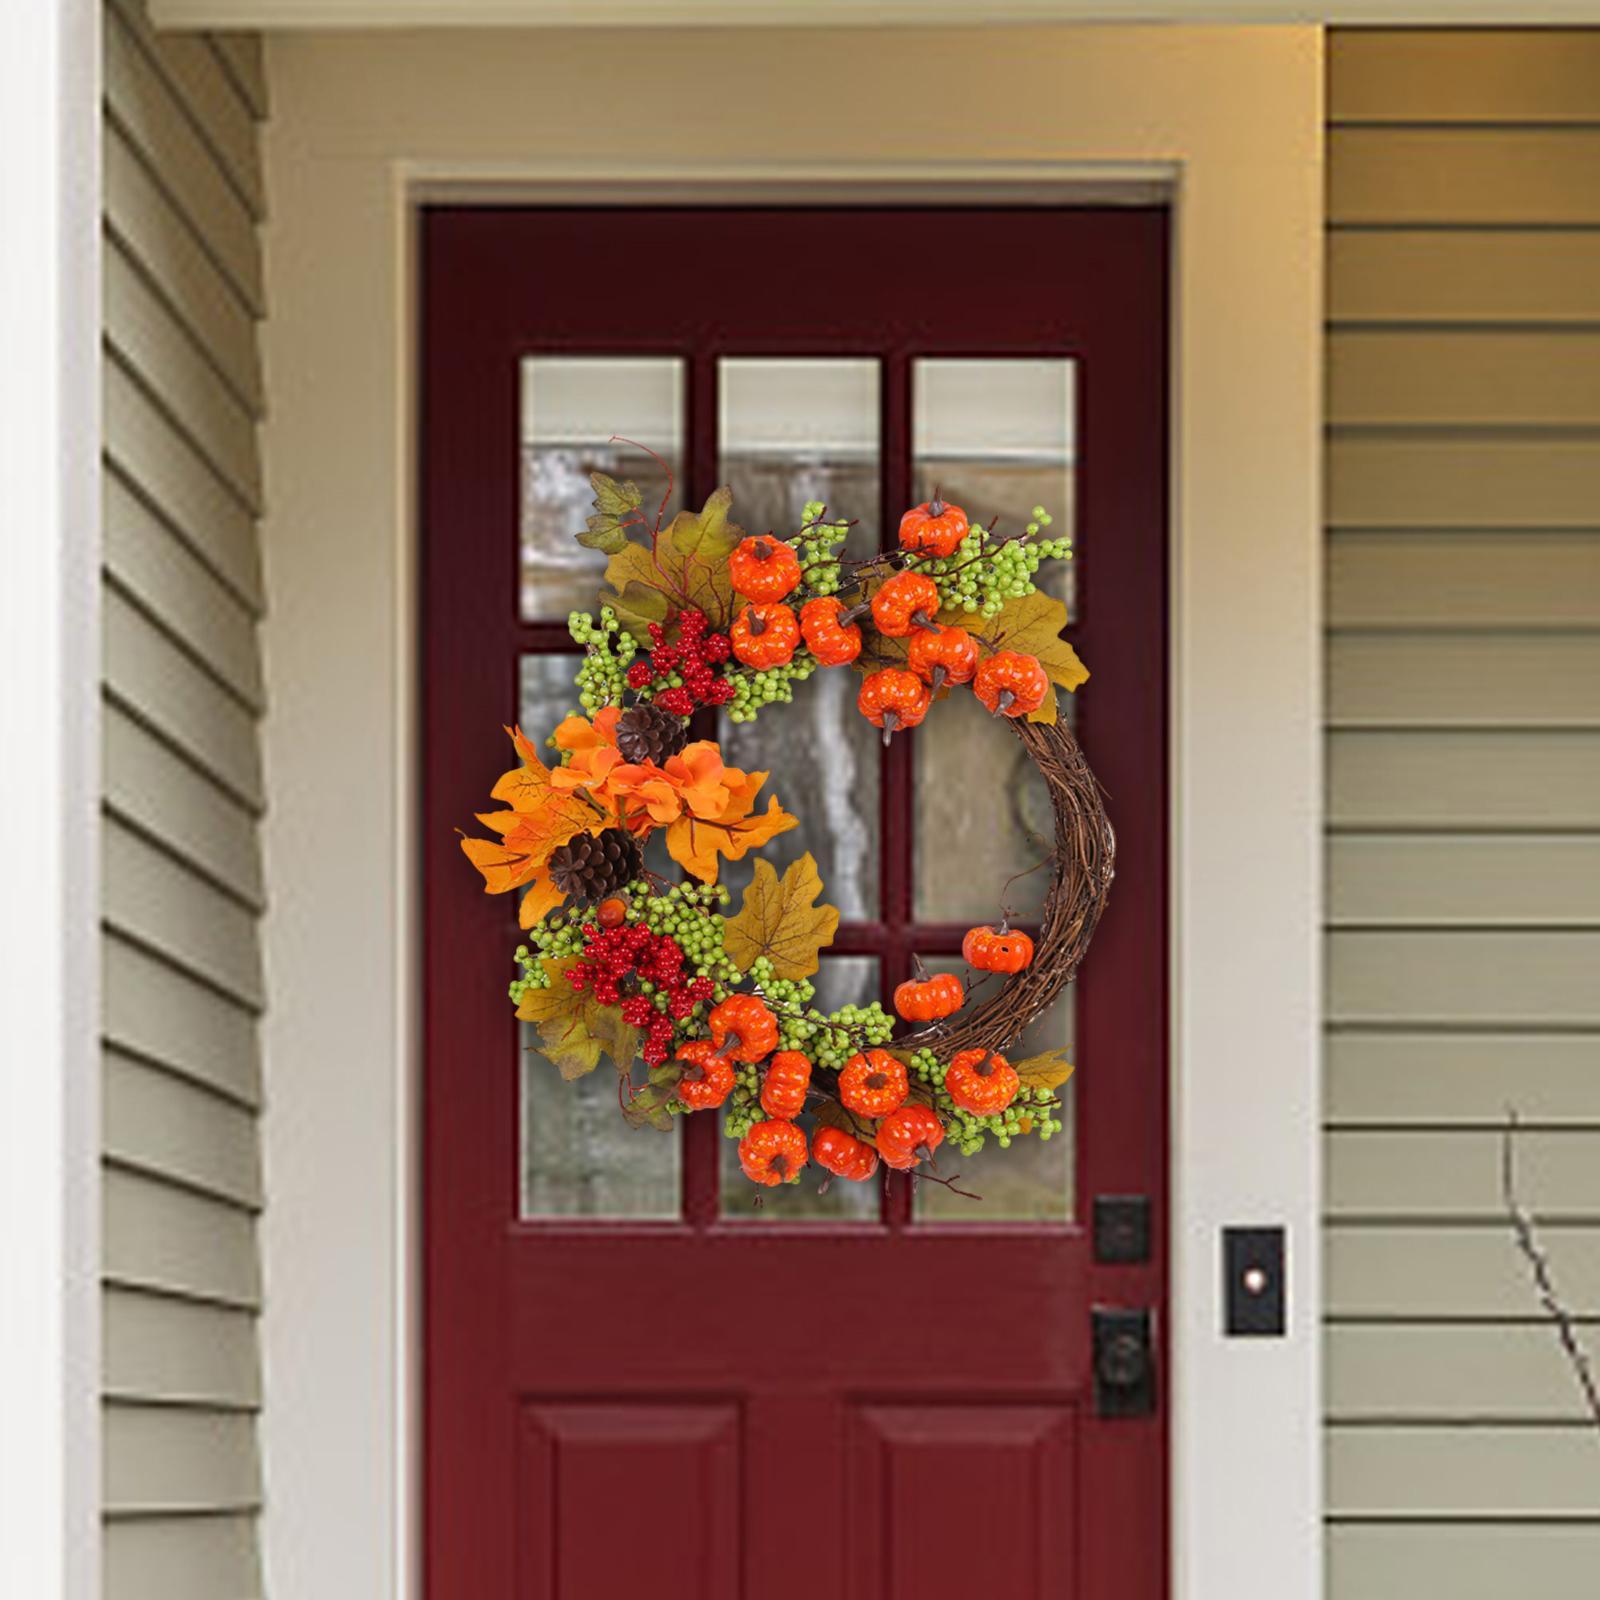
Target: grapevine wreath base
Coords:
[[623, 963]]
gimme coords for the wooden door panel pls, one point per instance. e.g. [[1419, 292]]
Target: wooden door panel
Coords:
[[636, 1497], [948, 1500]]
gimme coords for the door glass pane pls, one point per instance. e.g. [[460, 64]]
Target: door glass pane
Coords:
[[579, 1158], [823, 757], [841, 981], [996, 437], [571, 408], [984, 829], [1033, 1179], [790, 431]]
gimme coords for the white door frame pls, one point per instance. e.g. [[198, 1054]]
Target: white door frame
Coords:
[[1228, 121]]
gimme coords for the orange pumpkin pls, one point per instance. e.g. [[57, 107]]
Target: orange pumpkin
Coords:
[[945, 655], [909, 1135], [926, 999], [844, 1155], [765, 636], [783, 1090], [893, 698], [707, 1079], [1001, 949], [1011, 684], [744, 1028], [832, 642], [764, 568], [981, 1081], [773, 1153], [933, 528], [873, 1084], [903, 603]]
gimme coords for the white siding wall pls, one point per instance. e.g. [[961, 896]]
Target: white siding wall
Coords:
[[183, 795], [1464, 803]]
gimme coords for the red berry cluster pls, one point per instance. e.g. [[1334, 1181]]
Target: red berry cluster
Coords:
[[612, 955], [694, 657]]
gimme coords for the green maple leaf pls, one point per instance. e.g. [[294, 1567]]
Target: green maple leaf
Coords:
[[575, 1030], [614, 503], [689, 567], [780, 921]]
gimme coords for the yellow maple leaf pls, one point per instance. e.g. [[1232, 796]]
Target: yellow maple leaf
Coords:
[[1048, 1070], [780, 920], [688, 566], [697, 843], [575, 1030]]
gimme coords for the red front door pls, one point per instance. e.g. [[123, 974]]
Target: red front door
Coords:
[[637, 1383]]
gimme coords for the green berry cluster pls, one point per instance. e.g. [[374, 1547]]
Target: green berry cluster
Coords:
[[983, 573], [830, 1038], [818, 549], [608, 648], [554, 939], [753, 690], [689, 913]]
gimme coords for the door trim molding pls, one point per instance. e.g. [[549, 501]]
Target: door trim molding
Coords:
[[1225, 121]]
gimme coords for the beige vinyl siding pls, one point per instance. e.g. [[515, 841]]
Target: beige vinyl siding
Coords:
[[1463, 714], [182, 884]]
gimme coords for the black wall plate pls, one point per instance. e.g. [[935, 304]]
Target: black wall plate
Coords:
[[1254, 1294]]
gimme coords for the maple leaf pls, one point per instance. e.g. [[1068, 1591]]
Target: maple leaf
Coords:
[[614, 504], [688, 567], [646, 1107], [575, 1030], [695, 843], [779, 920], [1048, 1070]]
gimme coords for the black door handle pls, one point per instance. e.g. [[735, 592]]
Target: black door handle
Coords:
[[1124, 1362]]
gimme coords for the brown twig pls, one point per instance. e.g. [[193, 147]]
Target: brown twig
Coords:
[[1527, 1240]]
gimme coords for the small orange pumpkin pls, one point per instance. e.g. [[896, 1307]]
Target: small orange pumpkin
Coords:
[[1002, 949], [946, 655], [933, 528], [873, 1084], [783, 1090], [773, 1153], [844, 1155], [765, 636], [832, 642], [1011, 684], [764, 568], [893, 698], [707, 1080], [981, 1081], [909, 1135], [905, 602], [926, 999], [744, 1028]]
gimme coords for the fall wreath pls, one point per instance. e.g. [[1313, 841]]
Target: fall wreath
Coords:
[[715, 1005]]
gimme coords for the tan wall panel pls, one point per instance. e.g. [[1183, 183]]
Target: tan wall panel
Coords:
[[170, 1458], [1387, 781], [1466, 679], [179, 1351], [1509, 1471], [1465, 881], [1394, 1079], [1488, 1561], [1441, 1372], [1464, 75], [1407, 1273], [164, 1238], [164, 1124], [1408, 481], [1418, 1175], [1482, 378], [1464, 175], [183, 1558], [1463, 275], [1489, 979]]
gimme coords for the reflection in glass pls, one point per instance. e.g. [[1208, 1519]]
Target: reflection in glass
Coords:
[[794, 430], [571, 408], [823, 757], [982, 817], [841, 981], [997, 437], [1033, 1181]]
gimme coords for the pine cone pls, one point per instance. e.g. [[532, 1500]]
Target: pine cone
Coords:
[[647, 733], [591, 866]]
